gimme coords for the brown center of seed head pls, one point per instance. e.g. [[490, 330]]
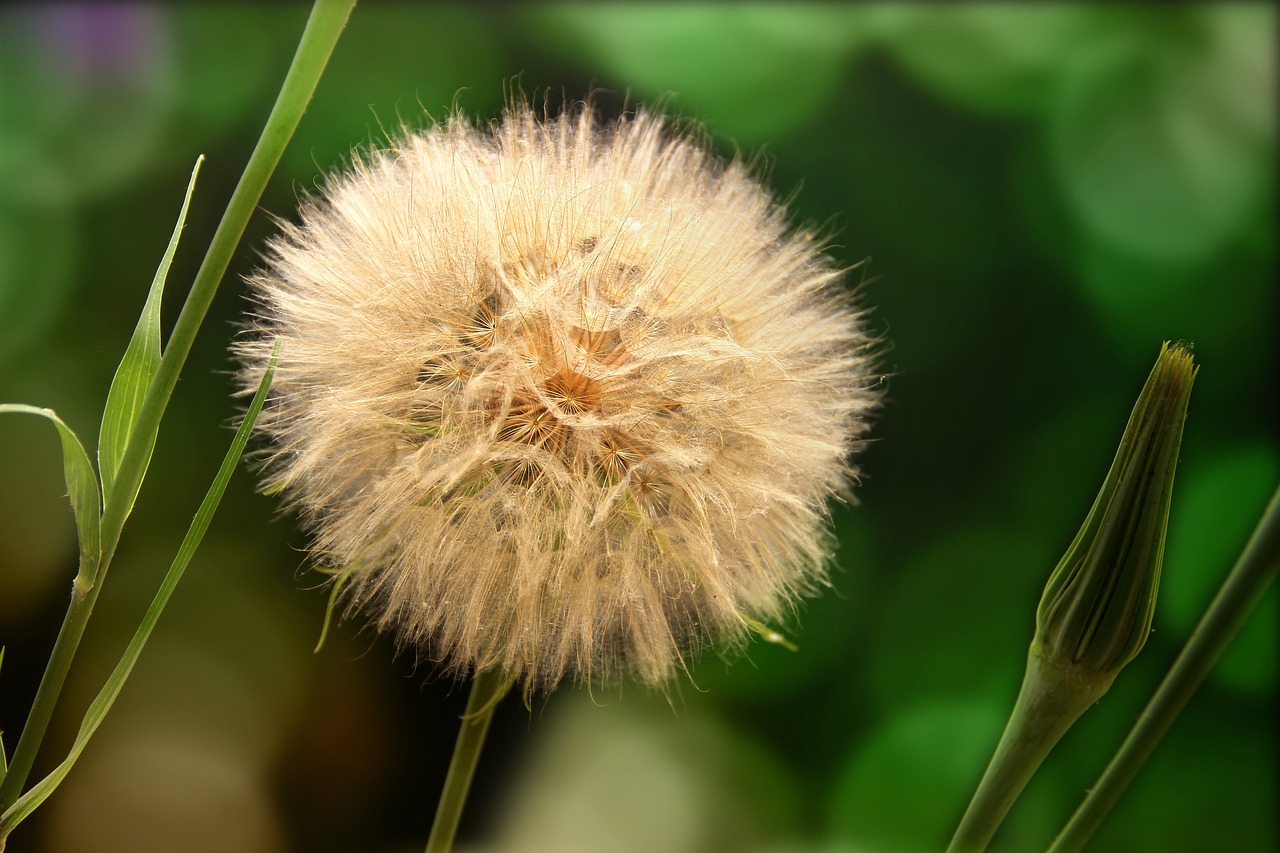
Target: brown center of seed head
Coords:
[[546, 416], [563, 411]]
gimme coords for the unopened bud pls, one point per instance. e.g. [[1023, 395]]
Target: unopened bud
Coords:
[[1096, 610]]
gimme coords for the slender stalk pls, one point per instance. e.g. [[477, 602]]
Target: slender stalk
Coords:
[[487, 691], [100, 706], [328, 17], [1050, 701], [1253, 573]]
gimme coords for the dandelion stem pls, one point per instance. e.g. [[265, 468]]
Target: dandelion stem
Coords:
[[328, 17], [487, 691], [1253, 573]]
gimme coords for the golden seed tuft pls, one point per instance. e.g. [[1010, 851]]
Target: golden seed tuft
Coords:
[[563, 397]]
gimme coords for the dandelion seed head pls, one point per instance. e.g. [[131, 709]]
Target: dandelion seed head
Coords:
[[563, 397]]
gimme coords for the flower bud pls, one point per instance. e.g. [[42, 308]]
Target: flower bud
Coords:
[[1096, 610]]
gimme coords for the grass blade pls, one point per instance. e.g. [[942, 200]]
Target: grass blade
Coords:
[[324, 26], [97, 712], [4, 766], [82, 488], [137, 367]]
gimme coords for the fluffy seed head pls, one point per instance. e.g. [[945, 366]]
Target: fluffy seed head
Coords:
[[559, 397]]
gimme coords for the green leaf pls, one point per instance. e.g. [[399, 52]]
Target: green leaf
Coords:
[[97, 712], [82, 487], [4, 765], [768, 634], [133, 376], [339, 583]]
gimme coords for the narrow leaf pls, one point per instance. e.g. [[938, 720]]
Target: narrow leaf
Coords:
[[141, 358], [768, 634], [4, 766], [97, 712], [82, 487]]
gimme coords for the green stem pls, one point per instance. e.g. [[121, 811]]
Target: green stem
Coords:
[[487, 691], [100, 706], [325, 24], [1253, 573], [1050, 701]]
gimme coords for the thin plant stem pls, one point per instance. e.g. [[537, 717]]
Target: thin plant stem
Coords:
[[1050, 701], [1253, 573], [487, 690], [325, 24], [100, 706]]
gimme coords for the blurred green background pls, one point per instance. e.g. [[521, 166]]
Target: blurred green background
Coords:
[[1044, 194]]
